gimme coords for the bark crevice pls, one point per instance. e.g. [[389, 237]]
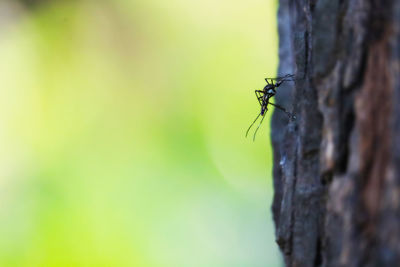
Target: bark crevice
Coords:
[[336, 167]]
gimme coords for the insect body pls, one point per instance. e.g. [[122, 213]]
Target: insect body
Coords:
[[264, 96]]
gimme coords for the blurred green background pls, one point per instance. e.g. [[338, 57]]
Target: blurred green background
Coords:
[[122, 133]]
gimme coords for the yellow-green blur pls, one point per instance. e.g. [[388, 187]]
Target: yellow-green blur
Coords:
[[122, 134]]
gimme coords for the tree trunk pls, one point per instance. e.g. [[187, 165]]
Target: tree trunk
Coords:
[[337, 165]]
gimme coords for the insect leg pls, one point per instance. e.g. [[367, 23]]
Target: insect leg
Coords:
[[247, 132], [287, 77], [283, 109], [260, 96], [258, 127]]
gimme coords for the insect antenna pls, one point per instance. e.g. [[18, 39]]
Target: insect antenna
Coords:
[[258, 127], [247, 132]]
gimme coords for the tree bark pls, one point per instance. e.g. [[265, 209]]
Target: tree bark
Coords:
[[337, 165]]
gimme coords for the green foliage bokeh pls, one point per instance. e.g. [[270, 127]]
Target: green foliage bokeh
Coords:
[[122, 132]]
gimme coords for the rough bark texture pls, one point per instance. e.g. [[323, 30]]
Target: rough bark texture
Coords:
[[337, 166]]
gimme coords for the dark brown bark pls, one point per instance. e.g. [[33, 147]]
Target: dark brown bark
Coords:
[[337, 166]]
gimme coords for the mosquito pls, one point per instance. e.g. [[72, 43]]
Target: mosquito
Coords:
[[264, 96]]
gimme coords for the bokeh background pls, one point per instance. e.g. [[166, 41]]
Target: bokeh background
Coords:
[[122, 133]]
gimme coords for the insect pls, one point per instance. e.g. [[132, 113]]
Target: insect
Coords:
[[264, 96]]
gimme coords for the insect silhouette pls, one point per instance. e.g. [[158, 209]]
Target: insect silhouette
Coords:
[[264, 96]]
